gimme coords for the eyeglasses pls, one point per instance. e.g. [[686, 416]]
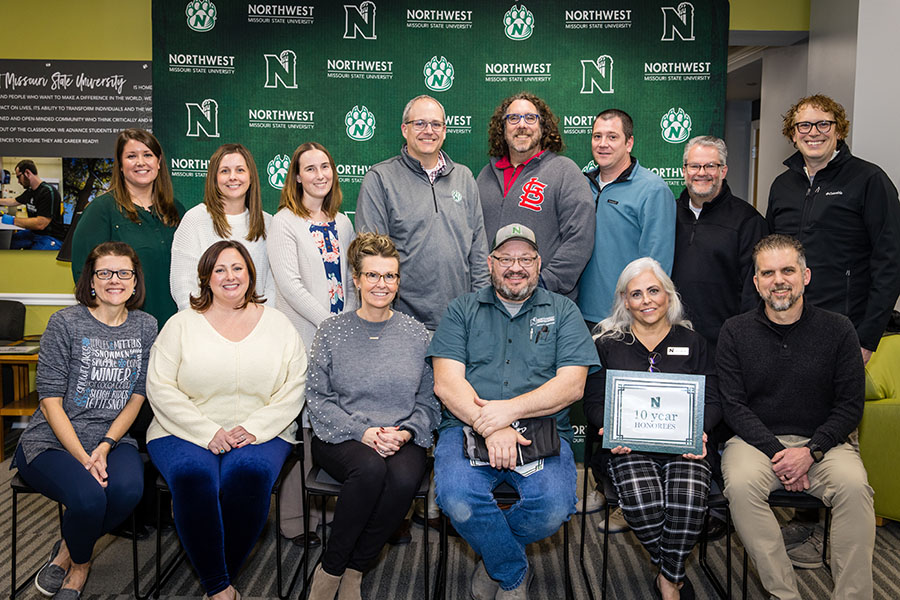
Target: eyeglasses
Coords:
[[530, 118], [389, 278], [420, 125], [653, 358], [708, 167], [806, 126], [123, 274], [507, 261]]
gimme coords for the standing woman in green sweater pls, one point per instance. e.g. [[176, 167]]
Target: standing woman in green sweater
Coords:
[[139, 209]]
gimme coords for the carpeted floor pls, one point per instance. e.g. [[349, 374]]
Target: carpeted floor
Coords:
[[399, 574]]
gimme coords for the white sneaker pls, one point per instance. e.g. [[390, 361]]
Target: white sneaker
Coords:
[[594, 502], [617, 523]]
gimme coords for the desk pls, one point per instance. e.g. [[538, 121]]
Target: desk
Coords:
[[24, 401], [6, 232]]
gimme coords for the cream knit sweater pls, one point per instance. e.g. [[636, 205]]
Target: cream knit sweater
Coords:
[[198, 381]]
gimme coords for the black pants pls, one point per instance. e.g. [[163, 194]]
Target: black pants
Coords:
[[374, 498]]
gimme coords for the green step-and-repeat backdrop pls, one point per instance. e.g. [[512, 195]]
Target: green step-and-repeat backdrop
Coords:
[[272, 75]]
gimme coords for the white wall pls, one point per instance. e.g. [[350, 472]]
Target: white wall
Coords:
[[783, 83], [874, 133], [833, 50], [737, 138]]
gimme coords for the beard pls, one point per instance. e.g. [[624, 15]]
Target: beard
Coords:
[[506, 293], [785, 304]]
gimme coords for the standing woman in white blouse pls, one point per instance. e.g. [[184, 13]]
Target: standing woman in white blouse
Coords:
[[307, 246], [231, 210]]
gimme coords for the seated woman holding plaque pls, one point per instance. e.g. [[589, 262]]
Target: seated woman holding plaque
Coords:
[[662, 496]]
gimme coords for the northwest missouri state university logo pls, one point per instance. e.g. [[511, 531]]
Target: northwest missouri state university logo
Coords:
[[201, 15], [214, 64], [279, 14], [678, 21], [277, 169], [203, 117], [677, 71], [418, 18], [188, 167], [598, 19], [281, 68], [578, 124], [359, 19], [518, 23], [266, 118], [438, 74], [597, 75], [532, 194], [360, 124], [676, 126], [458, 124]]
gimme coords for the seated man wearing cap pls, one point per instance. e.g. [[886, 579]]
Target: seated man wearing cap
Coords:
[[504, 357]]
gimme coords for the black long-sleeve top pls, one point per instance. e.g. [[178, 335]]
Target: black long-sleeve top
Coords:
[[622, 355], [804, 379]]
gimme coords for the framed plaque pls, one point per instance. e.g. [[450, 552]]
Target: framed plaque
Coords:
[[654, 412]]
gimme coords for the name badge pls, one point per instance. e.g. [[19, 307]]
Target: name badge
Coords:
[[677, 351]]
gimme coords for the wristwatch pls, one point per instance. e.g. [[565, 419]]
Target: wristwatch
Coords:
[[816, 452], [112, 443]]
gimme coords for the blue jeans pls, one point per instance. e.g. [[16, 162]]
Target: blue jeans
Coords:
[[546, 500], [91, 510], [220, 502]]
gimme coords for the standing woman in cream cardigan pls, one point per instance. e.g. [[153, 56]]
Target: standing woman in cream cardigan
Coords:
[[231, 210], [307, 248]]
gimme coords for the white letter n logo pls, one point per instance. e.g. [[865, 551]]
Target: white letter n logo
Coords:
[[359, 19], [204, 118], [597, 74], [281, 67]]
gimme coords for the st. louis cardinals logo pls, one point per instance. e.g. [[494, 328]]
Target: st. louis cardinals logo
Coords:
[[532, 194]]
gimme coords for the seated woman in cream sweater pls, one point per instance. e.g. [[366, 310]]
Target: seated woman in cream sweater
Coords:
[[226, 382]]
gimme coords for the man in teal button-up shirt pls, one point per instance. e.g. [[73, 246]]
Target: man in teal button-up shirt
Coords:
[[507, 352]]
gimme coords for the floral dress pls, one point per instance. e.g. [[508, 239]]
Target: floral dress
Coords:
[[326, 239]]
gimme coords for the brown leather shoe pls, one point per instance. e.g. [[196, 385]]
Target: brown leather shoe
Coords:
[[435, 523], [401, 535]]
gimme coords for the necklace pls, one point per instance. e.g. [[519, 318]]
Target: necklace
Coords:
[[376, 335]]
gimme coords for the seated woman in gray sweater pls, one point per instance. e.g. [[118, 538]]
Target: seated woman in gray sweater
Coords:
[[90, 380], [372, 408]]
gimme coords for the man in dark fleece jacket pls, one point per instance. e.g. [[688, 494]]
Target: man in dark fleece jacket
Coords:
[[846, 213], [792, 384], [715, 233]]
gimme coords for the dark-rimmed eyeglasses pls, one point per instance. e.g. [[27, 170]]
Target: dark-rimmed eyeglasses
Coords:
[[526, 262], [653, 358], [708, 167], [421, 124], [123, 274], [806, 126], [529, 118], [389, 278]]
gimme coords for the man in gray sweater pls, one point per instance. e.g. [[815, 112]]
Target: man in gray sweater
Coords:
[[429, 206]]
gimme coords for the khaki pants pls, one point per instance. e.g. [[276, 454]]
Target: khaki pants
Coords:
[[839, 480]]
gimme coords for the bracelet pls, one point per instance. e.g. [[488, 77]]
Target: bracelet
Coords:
[[112, 443]]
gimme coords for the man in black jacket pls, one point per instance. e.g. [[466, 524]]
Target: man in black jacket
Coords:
[[714, 238], [846, 212], [792, 385]]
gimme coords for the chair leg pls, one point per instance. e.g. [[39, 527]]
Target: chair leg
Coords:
[[15, 512], [570, 593], [425, 527], [283, 593], [605, 551]]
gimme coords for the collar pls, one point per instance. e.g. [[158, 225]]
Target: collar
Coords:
[[764, 319], [445, 165], [625, 175], [503, 163], [685, 199], [842, 154]]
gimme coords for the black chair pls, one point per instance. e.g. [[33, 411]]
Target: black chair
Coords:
[[163, 573], [319, 483], [503, 494], [19, 486], [797, 500]]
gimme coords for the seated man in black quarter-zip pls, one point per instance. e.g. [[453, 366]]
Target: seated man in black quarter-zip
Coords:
[[792, 385]]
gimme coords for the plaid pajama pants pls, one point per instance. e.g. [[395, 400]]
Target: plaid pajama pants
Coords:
[[664, 502]]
